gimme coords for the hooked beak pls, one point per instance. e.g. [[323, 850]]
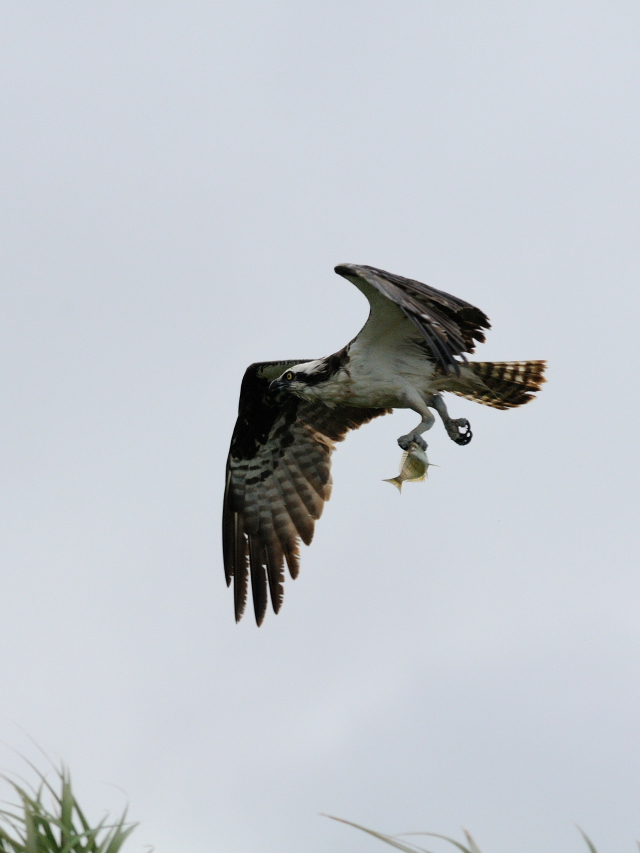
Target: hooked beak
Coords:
[[277, 385]]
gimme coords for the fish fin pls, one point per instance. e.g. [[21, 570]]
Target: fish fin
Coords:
[[395, 482]]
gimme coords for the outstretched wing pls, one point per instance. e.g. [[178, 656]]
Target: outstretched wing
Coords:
[[278, 478], [449, 326]]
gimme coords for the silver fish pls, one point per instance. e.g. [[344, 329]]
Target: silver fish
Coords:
[[413, 467]]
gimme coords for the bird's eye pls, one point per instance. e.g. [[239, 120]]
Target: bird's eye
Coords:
[[288, 376]]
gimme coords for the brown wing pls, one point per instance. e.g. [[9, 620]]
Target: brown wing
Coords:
[[450, 326], [278, 478]]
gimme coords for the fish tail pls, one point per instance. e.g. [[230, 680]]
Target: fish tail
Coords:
[[395, 481]]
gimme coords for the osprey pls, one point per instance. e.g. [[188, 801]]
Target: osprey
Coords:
[[291, 413]]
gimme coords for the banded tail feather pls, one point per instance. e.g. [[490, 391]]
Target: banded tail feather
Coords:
[[503, 384]]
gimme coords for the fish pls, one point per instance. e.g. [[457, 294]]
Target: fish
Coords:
[[413, 467]]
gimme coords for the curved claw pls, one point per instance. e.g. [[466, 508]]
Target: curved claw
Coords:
[[461, 432], [405, 441]]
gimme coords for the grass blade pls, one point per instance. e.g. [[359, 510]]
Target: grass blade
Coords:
[[52, 822], [394, 841], [588, 841]]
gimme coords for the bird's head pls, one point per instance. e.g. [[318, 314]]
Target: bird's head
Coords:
[[300, 380]]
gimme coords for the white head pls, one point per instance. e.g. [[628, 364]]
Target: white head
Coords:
[[301, 379]]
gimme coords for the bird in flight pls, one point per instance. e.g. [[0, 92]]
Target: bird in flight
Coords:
[[411, 349]]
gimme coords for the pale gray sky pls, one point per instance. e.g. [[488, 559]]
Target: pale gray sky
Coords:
[[178, 180]]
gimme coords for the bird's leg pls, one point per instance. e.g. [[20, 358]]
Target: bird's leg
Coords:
[[415, 402], [458, 430]]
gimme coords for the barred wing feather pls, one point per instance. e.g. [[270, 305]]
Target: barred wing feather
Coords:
[[278, 479], [449, 326]]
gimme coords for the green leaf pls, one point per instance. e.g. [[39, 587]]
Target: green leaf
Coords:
[[388, 839], [51, 821], [592, 849]]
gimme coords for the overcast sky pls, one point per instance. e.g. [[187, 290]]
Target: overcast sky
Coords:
[[178, 180]]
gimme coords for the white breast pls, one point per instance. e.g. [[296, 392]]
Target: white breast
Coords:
[[380, 375]]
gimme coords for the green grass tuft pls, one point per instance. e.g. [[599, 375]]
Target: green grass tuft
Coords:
[[47, 820]]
